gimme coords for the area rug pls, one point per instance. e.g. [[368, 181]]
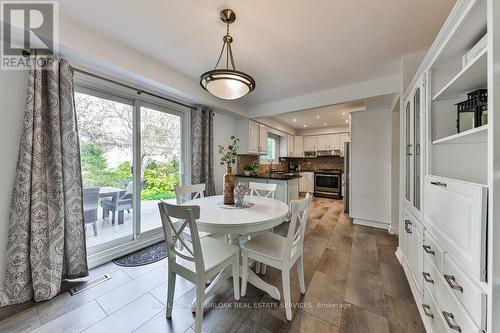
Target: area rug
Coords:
[[148, 255]]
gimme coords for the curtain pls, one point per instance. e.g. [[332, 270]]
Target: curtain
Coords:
[[46, 241], [202, 136]]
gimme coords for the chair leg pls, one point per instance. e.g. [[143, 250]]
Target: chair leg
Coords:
[[236, 276], [263, 268], [244, 273], [121, 214], [94, 226], [200, 295], [300, 271], [285, 277], [170, 292], [257, 267], [113, 217]]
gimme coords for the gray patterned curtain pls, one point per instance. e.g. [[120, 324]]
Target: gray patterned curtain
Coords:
[[46, 241], [202, 136]]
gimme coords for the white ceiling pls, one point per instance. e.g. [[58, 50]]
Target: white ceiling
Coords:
[[290, 47]]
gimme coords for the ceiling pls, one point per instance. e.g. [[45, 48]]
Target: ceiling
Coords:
[[290, 47]]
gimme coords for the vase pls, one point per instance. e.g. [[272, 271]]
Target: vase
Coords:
[[228, 187]]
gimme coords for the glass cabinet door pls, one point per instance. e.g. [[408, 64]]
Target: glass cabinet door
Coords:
[[408, 164], [416, 140]]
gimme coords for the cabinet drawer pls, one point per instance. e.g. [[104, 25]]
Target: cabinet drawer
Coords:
[[455, 316], [433, 251], [467, 292], [455, 212], [432, 313]]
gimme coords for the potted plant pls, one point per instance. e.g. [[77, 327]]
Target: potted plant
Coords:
[[228, 157], [254, 168], [247, 168]]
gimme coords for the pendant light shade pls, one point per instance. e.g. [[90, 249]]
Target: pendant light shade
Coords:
[[227, 83]]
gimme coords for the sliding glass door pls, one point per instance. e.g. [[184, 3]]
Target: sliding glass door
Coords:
[[132, 153]]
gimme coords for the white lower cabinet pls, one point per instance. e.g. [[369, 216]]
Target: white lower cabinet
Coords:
[[306, 182], [450, 300]]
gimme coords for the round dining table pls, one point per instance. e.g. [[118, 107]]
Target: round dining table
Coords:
[[263, 214]]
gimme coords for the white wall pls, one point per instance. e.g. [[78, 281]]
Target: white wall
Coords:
[[224, 127], [12, 100], [371, 168]]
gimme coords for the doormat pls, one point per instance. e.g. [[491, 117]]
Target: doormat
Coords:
[[147, 255]]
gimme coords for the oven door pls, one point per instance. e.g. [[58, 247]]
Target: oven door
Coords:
[[326, 183]]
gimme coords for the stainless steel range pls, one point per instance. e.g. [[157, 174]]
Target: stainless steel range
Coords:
[[328, 183]]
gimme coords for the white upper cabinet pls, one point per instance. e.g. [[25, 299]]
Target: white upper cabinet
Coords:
[[253, 137], [324, 142], [298, 146], [310, 143]]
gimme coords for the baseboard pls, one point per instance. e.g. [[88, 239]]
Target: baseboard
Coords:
[[393, 230], [399, 255], [369, 223]]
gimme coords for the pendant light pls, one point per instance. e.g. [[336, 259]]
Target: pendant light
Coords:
[[227, 83]]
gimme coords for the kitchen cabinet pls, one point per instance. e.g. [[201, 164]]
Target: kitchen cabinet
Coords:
[[286, 189], [298, 146], [306, 182], [286, 146], [310, 143], [329, 142], [253, 137]]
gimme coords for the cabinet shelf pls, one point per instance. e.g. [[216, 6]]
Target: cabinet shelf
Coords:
[[475, 135], [470, 78]]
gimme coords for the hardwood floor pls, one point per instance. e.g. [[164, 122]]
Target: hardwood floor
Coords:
[[353, 279]]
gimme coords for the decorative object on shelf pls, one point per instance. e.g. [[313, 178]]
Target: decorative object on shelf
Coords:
[[227, 83], [474, 111], [239, 194], [471, 55], [229, 156], [251, 169]]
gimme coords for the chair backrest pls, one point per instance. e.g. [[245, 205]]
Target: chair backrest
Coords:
[[262, 190], [299, 210], [90, 195], [185, 193], [187, 215]]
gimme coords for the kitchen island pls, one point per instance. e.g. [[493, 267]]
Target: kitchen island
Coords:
[[287, 184]]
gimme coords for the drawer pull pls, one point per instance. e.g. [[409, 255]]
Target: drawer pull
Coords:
[[453, 283], [427, 248], [407, 224], [438, 184], [427, 310], [450, 320], [427, 277]]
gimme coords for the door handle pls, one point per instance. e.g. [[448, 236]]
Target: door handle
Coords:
[[427, 277], [448, 316], [439, 184], [427, 248], [407, 223], [427, 310], [453, 283]]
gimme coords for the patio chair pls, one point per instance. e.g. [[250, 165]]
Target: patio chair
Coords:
[[90, 199], [121, 203]]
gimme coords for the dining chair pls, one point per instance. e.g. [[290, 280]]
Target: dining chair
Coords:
[[280, 252], [198, 261], [185, 193], [262, 190]]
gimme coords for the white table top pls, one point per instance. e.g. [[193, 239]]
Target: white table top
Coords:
[[263, 215]]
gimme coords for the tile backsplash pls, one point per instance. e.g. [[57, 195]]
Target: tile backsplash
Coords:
[[306, 164]]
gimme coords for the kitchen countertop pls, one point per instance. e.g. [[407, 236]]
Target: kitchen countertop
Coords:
[[278, 176]]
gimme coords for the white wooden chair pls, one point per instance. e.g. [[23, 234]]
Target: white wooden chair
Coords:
[[262, 190], [197, 262], [280, 252], [185, 193]]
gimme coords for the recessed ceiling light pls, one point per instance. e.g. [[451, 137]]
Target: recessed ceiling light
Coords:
[[317, 117], [347, 121], [343, 113], [305, 125], [325, 124], [294, 119]]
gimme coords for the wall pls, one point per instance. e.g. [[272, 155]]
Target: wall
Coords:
[[371, 168], [12, 100], [276, 126], [224, 127]]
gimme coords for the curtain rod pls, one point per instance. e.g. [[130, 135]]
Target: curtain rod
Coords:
[[139, 91]]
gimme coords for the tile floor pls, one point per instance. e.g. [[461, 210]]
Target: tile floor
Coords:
[[353, 279]]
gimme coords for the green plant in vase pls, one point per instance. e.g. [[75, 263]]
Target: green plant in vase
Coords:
[[228, 157]]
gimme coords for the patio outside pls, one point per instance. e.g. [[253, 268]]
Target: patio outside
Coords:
[[106, 152]]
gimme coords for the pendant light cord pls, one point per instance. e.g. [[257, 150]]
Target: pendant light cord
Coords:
[[229, 52]]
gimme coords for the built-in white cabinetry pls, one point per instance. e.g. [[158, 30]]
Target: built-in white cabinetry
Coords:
[[253, 137], [306, 182], [298, 146], [286, 190], [310, 143], [328, 142]]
